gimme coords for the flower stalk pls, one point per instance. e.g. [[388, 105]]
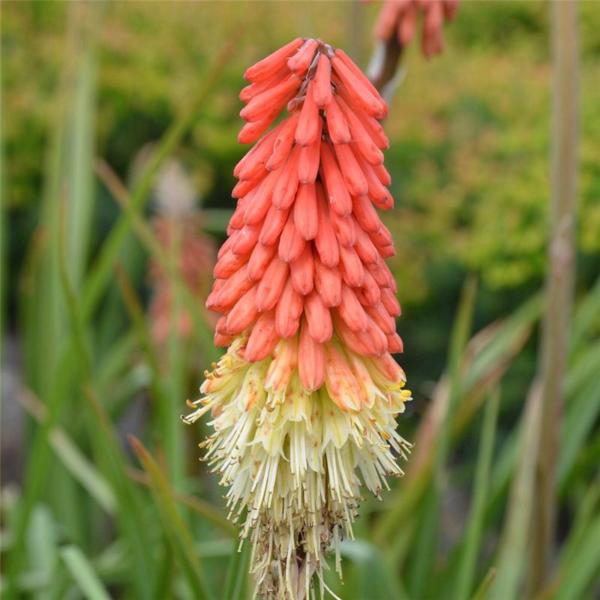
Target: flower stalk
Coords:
[[560, 281]]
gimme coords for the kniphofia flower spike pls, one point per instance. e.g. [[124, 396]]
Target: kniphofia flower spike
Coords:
[[304, 402]]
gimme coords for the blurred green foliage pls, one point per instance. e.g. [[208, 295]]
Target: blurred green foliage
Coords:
[[469, 165]]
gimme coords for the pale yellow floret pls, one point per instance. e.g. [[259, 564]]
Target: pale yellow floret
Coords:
[[295, 461]]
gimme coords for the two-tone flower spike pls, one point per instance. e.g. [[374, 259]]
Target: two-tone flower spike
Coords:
[[304, 401]]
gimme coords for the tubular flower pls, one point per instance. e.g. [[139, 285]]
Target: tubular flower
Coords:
[[304, 401], [399, 18]]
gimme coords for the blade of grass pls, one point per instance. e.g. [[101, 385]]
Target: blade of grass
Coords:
[[83, 573], [237, 574], [512, 559], [130, 513], [171, 429], [583, 570], [74, 460], [560, 283], [426, 544], [466, 571], [42, 546], [582, 413], [173, 526], [209, 512], [482, 591]]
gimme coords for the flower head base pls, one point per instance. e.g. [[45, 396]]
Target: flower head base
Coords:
[[295, 460], [303, 403]]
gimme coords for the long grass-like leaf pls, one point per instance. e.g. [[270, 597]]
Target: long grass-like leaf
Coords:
[[237, 574], [470, 552], [174, 527], [426, 544], [83, 573], [512, 557]]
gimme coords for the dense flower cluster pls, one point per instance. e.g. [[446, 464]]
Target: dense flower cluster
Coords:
[[400, 18], [304, 401]]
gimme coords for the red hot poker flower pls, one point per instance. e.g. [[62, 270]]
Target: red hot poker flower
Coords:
[[304, 401]]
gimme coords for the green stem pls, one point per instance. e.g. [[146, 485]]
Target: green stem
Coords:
[[559, 282]]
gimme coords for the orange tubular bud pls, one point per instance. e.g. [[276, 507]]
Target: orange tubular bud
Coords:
[[244, 187], [243, 314], [253, 89], [237, 220], [395, 344], [263, 339], [326, 242], [273, 225], [353, 272], [341, 55], [370, 290], [351, 311], [271, 285], [322, 82], [233, 288], [287, 183], [384, 320], [221, 340], [309, 123], [328, 283], [383, 174], [389, 300], [365, 248], [271, 100], [291, 243], [377, 338], [300, 62], [302, 272], [260, 201], [246, 240], [372, 104], [336, 124], [353, 176], [251, 131], [345, 230], [318, 318], [337, 193], [311, 361], [365, 214], [257, 157], [288, 311], [360, 137], [340, 382], [306, 216], [259, 261], [228, 264], [390, 368], [308, 163], [271, 64], [283, 143], [378, 193]]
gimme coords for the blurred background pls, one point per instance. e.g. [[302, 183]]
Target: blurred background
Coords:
[[119, 126]]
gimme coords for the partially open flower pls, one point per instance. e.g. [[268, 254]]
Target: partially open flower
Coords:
[[303, 403], [400, 18]]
